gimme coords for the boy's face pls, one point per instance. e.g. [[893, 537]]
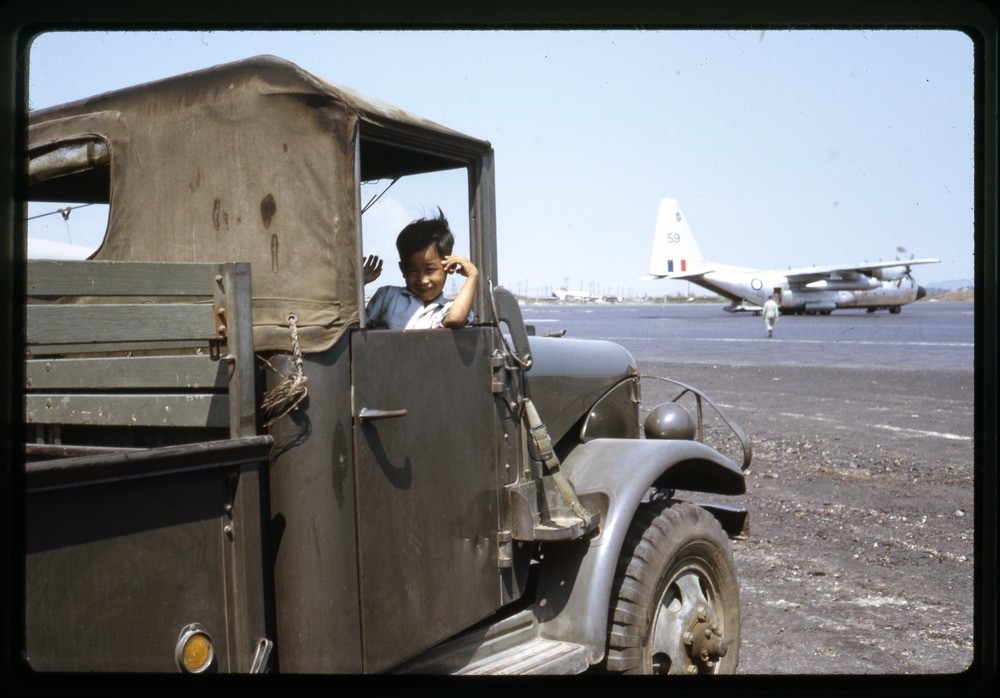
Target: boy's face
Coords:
[[424, 273]]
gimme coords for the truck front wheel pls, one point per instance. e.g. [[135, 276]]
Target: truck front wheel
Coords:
[[675, 606]]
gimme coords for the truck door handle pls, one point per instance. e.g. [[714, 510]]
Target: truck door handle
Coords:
[[367, 413]]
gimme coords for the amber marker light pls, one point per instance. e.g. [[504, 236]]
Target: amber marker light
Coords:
[[194, 652]]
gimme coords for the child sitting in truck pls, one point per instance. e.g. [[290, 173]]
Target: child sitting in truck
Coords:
[[425, 259]]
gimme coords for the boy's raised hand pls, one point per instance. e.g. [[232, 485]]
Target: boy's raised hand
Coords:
[[372, 268], [461, 307], [457, 263]]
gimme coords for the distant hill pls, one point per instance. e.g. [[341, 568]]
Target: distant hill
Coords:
[[962, 294]]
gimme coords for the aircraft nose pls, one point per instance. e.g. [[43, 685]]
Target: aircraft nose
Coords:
[[921, 292]]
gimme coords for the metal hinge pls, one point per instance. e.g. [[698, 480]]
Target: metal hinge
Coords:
[[505, 549]]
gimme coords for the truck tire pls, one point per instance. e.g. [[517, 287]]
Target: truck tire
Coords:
[[675, 606]]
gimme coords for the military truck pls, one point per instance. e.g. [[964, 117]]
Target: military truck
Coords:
[[228, 470]]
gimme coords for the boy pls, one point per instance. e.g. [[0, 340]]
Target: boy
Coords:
[[425, 259]]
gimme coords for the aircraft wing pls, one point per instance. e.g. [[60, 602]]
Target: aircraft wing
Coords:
[[49, 249], [816, 273]]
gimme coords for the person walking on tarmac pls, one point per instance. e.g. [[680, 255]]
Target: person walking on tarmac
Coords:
[[770, 315]]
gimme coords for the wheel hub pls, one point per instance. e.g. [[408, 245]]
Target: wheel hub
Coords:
[[686, 637], [705, 644]]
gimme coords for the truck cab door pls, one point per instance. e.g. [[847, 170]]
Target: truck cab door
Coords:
[[425, 429]]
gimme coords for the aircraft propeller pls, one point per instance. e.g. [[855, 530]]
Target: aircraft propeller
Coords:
[[906, 272]]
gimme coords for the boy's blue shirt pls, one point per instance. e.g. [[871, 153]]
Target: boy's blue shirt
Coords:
[[395, 308]]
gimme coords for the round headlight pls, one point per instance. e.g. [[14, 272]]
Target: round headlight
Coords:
[[194, 652], [669, 421]]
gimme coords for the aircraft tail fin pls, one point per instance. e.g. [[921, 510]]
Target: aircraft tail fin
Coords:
[[676, 253]]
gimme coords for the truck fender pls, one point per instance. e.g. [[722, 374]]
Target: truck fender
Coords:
[[612, 476]]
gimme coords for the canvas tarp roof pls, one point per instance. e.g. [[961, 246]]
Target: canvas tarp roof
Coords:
[[252, 161]]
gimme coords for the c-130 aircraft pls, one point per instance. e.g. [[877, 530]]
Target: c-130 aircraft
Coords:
[[812, 290]]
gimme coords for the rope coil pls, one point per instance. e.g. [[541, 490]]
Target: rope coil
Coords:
[[286, 395]]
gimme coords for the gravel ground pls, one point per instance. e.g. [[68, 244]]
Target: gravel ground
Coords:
[[860, 556]]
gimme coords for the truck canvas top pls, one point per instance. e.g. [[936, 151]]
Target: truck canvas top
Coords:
[[286, 201]]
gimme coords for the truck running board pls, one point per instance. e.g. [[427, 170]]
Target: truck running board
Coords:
[[510, 647]]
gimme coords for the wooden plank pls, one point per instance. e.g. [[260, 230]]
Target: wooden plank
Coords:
[[192, 372], [90, 278], [80, 324], [226, 366], [169, 410], [111, 347]]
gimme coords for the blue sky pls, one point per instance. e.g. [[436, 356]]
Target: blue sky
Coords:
[[784, 148]]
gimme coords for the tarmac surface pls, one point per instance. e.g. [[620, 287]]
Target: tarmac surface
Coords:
[[862, 491]]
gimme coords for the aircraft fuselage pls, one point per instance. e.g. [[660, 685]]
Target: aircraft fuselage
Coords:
[[821, 296]]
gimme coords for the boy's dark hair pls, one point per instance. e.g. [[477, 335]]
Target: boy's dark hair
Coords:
[[421, 233]]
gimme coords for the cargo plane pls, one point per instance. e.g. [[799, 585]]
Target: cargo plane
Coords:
[[812, 290], [576, 296]]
